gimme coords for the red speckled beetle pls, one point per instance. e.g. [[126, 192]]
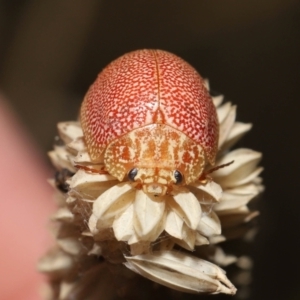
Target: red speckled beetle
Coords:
[[149, 116]]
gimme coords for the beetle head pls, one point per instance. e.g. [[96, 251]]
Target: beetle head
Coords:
[[155, 157]]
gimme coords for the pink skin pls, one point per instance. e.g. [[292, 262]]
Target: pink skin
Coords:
[[25, 206]]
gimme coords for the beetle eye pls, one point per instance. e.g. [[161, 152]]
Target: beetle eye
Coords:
[[132, 173], [178, 177]]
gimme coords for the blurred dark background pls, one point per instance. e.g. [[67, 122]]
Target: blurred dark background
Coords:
[[51, 51]]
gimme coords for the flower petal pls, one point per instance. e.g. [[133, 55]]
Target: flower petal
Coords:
[[174, 224], [208, 193], [123, 225], [226, 125], [236, 197], [69, 131], [113, 201], [221, 258], [209, 224], [56, 262], [242, 171], [160, 227], [216, 239], [181, 272], [187, 206], [217, 100], [237, 131], [91, 185], [76, 145], [70, 245], [234, 219], [246, 189], [201, 240], [82, 158], [223, 111], [148, 211], [188, 238], [63, 214], [66, 289], [96, 225], [206, 83], [60, 158]]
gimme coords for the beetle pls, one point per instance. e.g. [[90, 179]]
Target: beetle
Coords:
[[149, 116]]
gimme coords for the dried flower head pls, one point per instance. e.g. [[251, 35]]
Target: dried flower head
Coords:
[[109, 228]]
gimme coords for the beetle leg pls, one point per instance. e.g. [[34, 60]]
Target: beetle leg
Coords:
[[92, 170]]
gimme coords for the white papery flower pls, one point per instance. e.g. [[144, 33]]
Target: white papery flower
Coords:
[[112, 214]]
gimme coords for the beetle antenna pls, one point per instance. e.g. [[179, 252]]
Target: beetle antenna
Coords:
[[204, 175]]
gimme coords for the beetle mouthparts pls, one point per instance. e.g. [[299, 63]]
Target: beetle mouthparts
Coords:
[[155, 189]]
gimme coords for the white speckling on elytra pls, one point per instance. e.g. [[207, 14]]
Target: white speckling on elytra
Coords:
[[148, 87]]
